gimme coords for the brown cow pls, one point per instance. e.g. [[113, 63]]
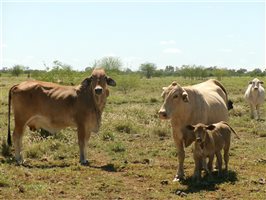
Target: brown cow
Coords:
[[201, 103], [53, 107]]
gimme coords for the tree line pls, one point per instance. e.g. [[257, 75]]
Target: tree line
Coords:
[[148, 70]]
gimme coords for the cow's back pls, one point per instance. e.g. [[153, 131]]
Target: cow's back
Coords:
[[43, 104], [208, 103]]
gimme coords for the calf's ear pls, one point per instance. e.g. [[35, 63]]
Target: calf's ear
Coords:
[[86, 82], [211, 127], [110, 81], [190, 127], [250, 82], [261, 82]]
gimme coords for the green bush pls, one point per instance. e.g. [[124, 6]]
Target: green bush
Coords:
[[118, 147]]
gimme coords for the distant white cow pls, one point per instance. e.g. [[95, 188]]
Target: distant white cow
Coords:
[[255, 95]]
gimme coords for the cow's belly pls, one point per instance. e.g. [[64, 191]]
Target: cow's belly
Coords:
[[53, 126]]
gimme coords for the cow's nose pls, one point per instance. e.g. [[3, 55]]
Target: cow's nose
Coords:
[[162, 114], [255, 88], [198, 139], [98, 90]]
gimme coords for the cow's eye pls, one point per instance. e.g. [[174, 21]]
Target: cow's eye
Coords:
[[175, 96]]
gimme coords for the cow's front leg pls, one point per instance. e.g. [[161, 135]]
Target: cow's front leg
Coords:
[[83, 137], [252, 111], [181, 157], [258, 112]]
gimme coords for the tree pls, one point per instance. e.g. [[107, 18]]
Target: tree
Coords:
[[61, 66], [220, 72], [241, 72], [17, 70], [148, 69], [108, 63]]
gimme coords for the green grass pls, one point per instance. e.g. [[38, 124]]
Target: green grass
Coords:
[[133, 156]]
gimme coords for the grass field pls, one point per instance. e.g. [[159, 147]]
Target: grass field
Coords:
[[133, 156]]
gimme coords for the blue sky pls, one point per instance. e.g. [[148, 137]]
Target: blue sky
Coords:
[[223, 34]]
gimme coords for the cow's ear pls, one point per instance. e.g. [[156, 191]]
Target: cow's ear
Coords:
[[211, 127], [185, 97], [86, 82], [190, 127], [174, 83], [250, 82], [261, 82], [110, 81]]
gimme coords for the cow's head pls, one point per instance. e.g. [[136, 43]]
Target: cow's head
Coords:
[[255, 84], [97, 83], [201, 132], [174, 99]]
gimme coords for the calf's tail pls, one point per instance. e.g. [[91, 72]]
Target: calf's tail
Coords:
[[232, 130]]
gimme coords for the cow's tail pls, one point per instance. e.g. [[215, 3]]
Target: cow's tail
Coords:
[[232, 130], [228, 101], [9, 113]]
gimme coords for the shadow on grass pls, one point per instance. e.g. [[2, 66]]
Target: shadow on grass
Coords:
[[208, 185], [108, 167], [46, 165]]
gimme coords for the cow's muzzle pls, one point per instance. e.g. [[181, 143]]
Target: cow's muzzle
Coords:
[[198, 139], [162, 114], [98, 90]]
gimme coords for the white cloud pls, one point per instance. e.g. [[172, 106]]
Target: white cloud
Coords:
[[167, 42], [252, 52], [226, 50], [172, 51]]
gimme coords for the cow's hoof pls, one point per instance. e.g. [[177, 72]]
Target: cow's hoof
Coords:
[[20, 162], [84, 163], [178, 178]]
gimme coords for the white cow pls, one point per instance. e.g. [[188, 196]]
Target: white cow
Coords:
[[205, 103], [255, 96]]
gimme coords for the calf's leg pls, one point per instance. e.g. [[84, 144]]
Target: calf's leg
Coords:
[[219, 162]]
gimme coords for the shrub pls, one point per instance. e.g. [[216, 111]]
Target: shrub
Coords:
[[107, 136], [118, 147], [126, 83]]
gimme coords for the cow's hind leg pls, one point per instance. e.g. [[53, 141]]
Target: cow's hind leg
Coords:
[[83, 137], [17, 137]]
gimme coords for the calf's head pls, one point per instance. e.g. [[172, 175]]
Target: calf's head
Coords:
[[174, 99], [201, 131]]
